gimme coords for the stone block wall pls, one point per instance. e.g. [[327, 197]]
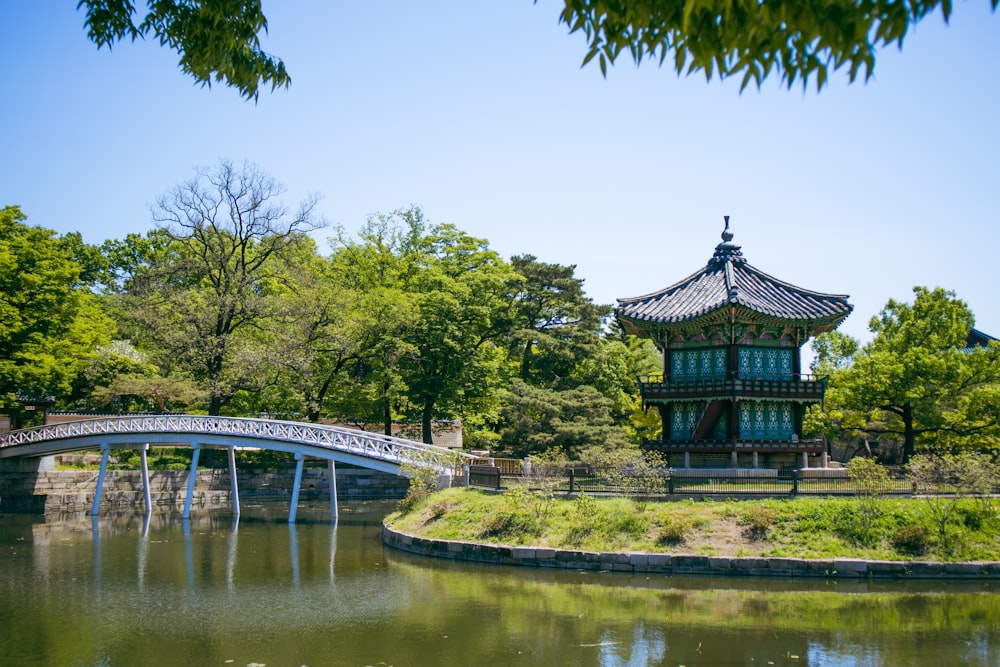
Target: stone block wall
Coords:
[[25, 488]]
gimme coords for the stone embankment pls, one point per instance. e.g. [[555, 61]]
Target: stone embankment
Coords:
[[28, 489], [656, 563]]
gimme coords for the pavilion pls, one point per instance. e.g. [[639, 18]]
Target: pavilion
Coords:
[[732, 392]]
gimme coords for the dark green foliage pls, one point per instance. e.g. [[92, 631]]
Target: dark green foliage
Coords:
[[215, 39], [795, 39], [537, 419], [913, 539]]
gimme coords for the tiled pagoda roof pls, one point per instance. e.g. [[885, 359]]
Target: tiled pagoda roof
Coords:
[[728, 280]]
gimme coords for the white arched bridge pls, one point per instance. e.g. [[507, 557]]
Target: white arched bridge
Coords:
[[304, 440]]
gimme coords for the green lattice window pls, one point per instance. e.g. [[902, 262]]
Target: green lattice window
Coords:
[[698, 364], [765, 362], [684, 419], [766, 420]]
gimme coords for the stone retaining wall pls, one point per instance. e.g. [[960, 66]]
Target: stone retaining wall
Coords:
[[32, 490], [641, 563]]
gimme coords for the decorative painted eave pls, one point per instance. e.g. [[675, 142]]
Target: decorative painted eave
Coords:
[[729, 284]]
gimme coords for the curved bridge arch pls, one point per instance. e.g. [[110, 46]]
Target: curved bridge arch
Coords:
[[332, 443], [370, 450]]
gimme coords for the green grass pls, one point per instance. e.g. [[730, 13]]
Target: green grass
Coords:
[[813, 527]]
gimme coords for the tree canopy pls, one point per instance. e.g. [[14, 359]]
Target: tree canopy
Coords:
[[795, 39], [215, 39], [917, 380], [49, 321]]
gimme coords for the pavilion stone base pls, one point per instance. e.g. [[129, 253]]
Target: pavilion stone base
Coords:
[[768, 460]]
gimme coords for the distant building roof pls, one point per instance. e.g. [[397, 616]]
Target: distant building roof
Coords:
[[977, 338], [728, 280]]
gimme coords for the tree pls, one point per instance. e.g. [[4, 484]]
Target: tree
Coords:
[[916, 380], [536, 419], [554, 322], [207, 300], [215, 39], [794, 38], [461, 305], [50, 323]]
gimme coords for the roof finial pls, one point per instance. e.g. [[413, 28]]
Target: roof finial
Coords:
[[727, 235]]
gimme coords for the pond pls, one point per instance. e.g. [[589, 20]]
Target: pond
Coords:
[[125, 590]]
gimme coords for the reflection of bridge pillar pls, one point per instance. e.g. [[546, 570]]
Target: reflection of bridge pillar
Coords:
[[234, 488], [147, 497], [295, 488], [96, 507], [191, 479]]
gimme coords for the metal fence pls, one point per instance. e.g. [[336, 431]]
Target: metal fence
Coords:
[[691, 482]]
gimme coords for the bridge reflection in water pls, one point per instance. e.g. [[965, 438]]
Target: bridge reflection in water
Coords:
[[207, 525], [397, 456]]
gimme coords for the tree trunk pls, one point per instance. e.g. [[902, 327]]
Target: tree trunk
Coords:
[[526, 359], [387, 417], [909, 435], [426, 422]]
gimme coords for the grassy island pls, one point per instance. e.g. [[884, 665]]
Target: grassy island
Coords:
[[942, 528]]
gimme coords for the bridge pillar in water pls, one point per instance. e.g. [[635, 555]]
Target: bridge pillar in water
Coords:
[[195, 452], [147, 497], [99, 489], [333, 489], [234, 489], [296, 485]]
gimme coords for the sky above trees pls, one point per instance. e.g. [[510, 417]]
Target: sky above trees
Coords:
[[480, 114]]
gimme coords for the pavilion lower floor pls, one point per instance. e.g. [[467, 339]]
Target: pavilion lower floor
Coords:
[[748, 454]]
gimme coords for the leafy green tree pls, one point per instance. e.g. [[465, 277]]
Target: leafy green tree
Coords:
[[50, 323], [378, 272], [210, 299], [795, 39], [573, 421], [917, 381], [554, 322], [461, 305], [215, 39]]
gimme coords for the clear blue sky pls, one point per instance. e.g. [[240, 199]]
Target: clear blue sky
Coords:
[[480, 113]]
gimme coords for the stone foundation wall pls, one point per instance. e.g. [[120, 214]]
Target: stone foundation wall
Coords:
[[25, 488], [657, 563]]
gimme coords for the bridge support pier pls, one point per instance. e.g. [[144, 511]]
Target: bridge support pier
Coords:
[[147, 497], [234, 488], [333, 489], [296, 485], [96, 507], [196, 451]]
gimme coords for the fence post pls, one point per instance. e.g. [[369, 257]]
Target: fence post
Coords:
[[571, 480], [795, 482], [670, 484]]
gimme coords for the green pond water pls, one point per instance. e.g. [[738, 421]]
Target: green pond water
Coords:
[[124, 591]]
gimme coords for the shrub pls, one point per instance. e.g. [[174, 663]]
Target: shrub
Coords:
[[758, 519], [521, 514], [912, 539], [417, 493], [673, 530]]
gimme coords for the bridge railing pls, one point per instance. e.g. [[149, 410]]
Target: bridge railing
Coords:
[[363, 443]]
